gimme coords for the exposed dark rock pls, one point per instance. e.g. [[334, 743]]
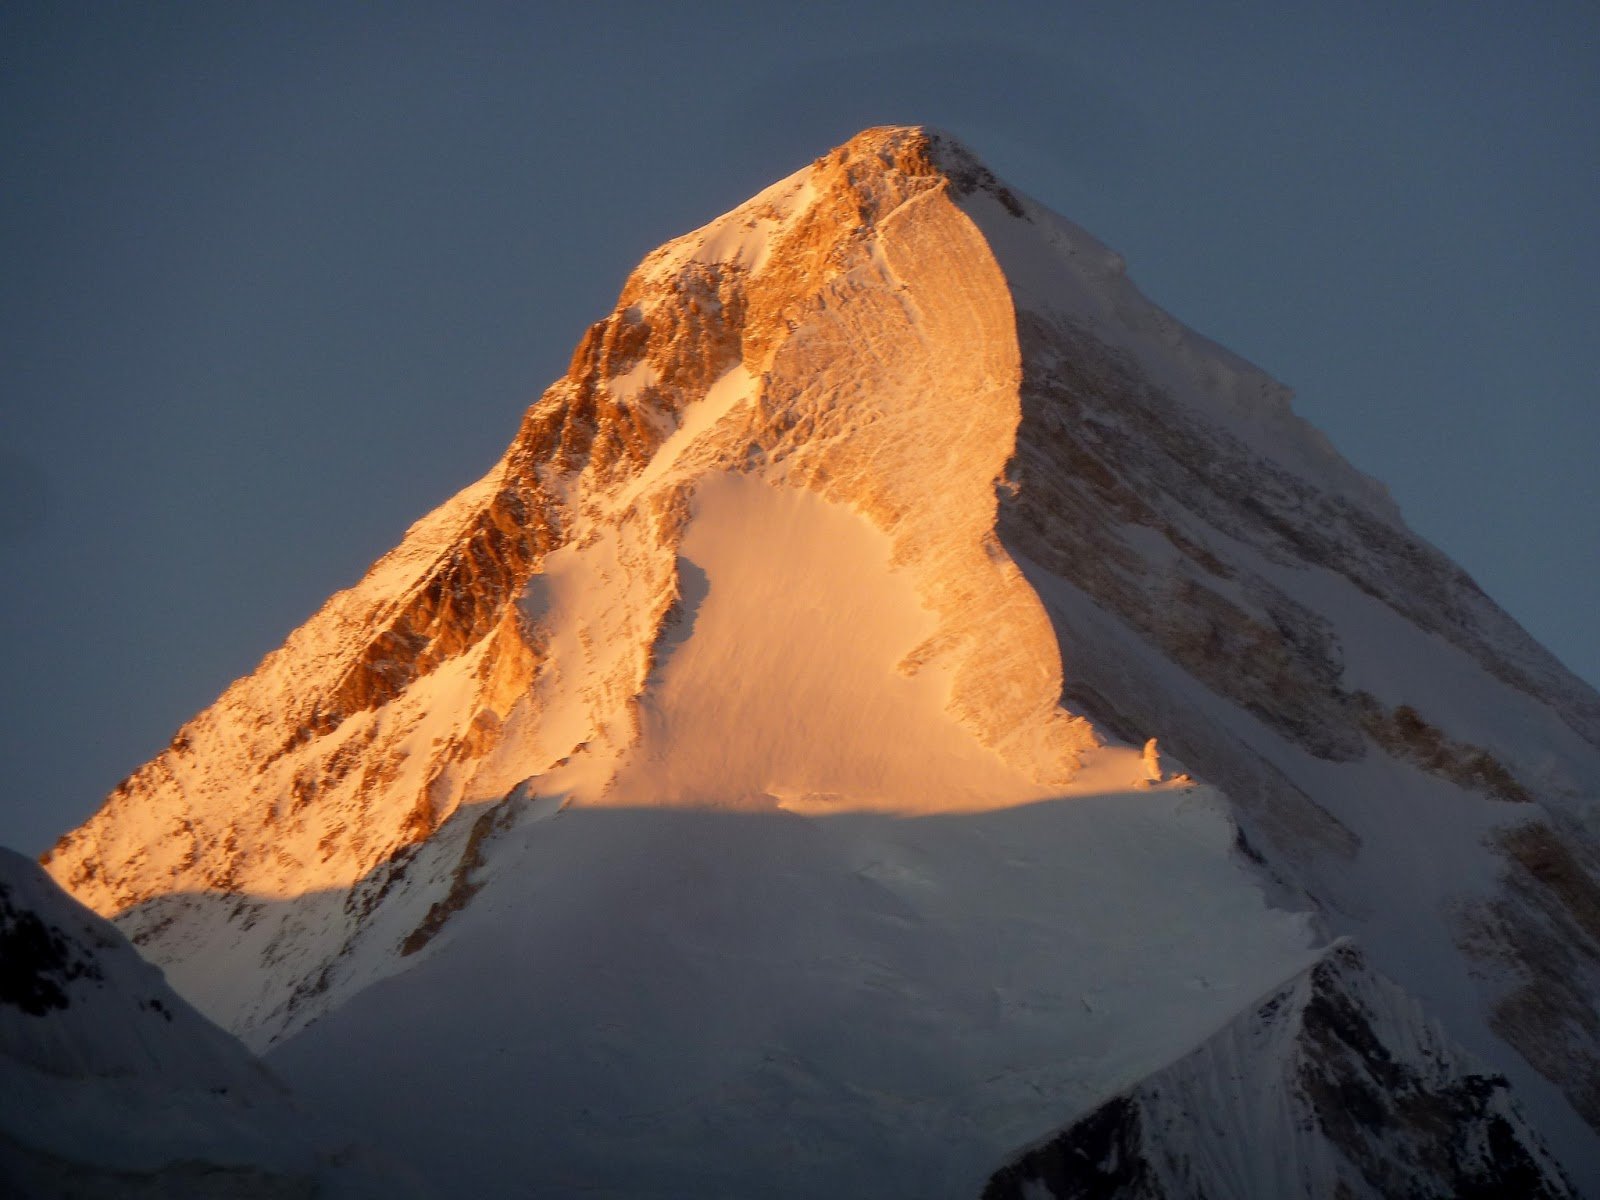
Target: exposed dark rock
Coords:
[[1098, 1158], [1546, 929], [462, 885], [36, 960], [1361, 1099], [1404, 733]]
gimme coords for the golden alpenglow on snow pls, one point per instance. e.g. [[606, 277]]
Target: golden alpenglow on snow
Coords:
[[904, 717]]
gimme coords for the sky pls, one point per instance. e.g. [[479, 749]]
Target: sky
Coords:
[[280, 278]]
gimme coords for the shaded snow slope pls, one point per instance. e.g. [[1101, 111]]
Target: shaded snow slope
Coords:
[[675, 1001], [111, 1085], [1345, 1089], [1399, 750], [883, 502]]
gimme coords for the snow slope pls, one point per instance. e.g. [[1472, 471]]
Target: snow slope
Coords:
[[741, 782], [1345, 1088], [677, 1000], [111, 1085], [796, 641], [1401, 753]]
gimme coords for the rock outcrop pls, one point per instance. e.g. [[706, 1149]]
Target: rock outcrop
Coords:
[[1344, 1089]]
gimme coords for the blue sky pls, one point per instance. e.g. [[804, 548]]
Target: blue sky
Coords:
[[278, 279]]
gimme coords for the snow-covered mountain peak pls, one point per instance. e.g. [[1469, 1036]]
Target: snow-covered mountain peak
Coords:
[[840, 356], [871, 536]]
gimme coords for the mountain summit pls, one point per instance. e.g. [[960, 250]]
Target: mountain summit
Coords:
[[746, 787]]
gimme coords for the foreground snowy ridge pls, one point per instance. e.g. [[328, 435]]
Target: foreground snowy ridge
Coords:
[[1344, 1089], [111, 1085], [793, 662]]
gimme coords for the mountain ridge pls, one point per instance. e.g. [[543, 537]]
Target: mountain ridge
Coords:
[[112, 1085]]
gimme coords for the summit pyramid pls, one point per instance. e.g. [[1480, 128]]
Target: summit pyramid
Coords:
[[746, 787]]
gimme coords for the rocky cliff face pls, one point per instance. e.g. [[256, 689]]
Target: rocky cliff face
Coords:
[[887, 493]]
